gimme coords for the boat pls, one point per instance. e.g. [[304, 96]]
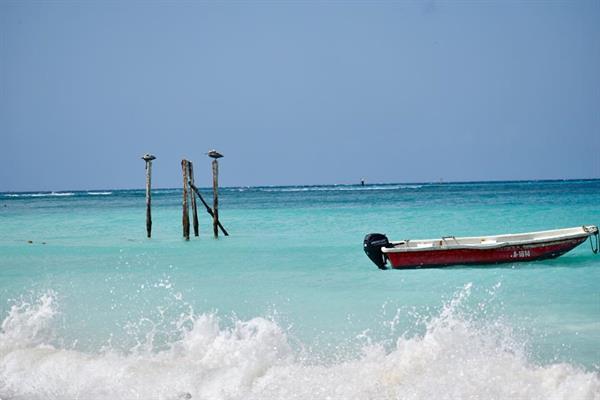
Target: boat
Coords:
[[451, 250]]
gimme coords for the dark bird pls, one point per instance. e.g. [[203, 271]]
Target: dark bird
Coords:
[[148, 157], [214, 154]]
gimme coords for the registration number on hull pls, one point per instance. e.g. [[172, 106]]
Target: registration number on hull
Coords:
[[521, 254]]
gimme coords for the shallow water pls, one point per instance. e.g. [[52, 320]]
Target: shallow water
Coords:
[[289, 306]]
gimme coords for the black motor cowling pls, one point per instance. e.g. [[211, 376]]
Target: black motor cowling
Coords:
[[372, 246]]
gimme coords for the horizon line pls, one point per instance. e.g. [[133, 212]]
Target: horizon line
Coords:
[[440, 182]]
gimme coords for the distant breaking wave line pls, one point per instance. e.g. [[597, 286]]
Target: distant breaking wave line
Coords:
[[99, 193], [53, 194], [39, 194], [338, 188]]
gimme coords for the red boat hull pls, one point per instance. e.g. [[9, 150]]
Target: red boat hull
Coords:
[[463, 256]]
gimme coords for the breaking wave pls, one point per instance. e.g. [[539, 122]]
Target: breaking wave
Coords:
[[48, 194], [99, 193], [454, 358], [340, 188]]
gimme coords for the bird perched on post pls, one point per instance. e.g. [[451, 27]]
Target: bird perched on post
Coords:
[[214, 154]]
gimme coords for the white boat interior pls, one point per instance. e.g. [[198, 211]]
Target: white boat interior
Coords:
[[490, 242]]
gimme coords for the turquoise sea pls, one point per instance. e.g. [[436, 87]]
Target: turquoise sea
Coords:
[[288, 306]]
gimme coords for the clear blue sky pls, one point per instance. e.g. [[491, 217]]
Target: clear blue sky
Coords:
[[297, 92]]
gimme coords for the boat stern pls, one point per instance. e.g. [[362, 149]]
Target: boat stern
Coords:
[[372, 246]]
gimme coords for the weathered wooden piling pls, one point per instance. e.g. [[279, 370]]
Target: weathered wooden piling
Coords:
[[215, 169], [148, 158], [193, 198], [208, 209], [185, 217]]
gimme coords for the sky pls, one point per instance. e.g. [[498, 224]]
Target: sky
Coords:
[[297, 92]]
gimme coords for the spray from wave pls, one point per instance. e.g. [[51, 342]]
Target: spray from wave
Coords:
[[454, 358]]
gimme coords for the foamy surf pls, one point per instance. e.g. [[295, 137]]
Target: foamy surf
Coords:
[[455, 358]]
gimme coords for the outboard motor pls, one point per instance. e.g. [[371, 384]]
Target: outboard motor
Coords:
[[372, 246]]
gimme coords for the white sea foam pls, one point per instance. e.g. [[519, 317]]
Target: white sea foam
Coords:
[[99, 193], [454, 359]]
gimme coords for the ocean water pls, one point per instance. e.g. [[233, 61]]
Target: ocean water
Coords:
[[288, 306]]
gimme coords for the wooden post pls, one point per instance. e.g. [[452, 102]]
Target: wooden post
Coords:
[[148, 158], [185, 218], [215, 170], [193, 198], [208, 209]]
